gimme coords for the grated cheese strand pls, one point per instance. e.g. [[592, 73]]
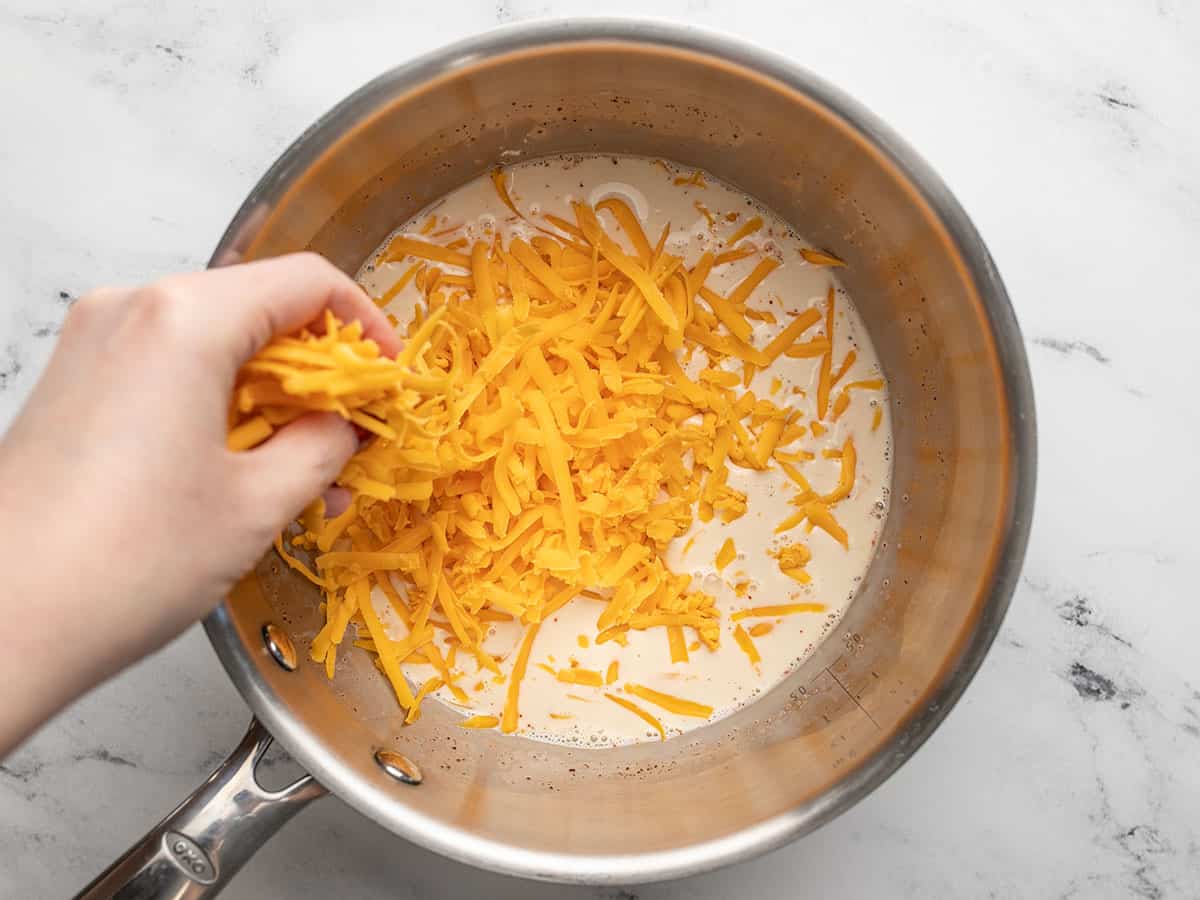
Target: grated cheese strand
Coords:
[[726, 554], [611, 675], [825, 377], [670, 703], [508, 722], [677, 643], [784, 609], [747, 645], [846, 478], [479, 722], [748, 228], [586, 677], [502, 190], [820, 257], [640, 713]]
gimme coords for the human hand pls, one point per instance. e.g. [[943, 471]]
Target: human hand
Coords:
[[124, 516]]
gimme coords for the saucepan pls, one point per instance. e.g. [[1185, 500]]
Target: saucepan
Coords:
[[926, 612]]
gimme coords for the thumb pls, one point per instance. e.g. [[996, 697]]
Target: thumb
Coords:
[[298, 462]]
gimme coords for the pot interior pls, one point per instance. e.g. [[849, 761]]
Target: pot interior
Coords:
[[939, 582]]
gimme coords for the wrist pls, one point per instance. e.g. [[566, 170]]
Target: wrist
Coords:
[[54, 649]]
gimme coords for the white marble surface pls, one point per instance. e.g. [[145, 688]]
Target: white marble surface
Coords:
[[133, 128]]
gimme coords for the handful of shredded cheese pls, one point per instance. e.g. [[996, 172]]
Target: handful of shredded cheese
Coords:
[[537, 443]]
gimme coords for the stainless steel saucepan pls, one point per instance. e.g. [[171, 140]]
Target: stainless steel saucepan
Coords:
[[962, 489]]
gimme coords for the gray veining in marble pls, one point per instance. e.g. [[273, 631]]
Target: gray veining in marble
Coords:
[[132, 129]]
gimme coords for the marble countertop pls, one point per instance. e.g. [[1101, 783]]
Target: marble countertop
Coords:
[[133, 129]]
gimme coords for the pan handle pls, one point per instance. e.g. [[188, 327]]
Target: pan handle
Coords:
[[199, 847]]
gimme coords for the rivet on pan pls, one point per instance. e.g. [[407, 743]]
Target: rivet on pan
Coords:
[[280, 646], [398, 766]]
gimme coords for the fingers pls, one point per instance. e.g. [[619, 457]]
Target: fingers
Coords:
[[337, 501], [297, 464], [247, 305]]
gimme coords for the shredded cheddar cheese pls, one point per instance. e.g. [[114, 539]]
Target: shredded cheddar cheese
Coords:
[[677, 643], [820, 258], [502, 190], [537, 443], [640, 713], [586, 677], [748, 228], [508, 722], [825, 377], [726, 554], [676, 705], [696, 179], [792, 560], [784, 609], [747, 645], [249, 433], [479, 722]]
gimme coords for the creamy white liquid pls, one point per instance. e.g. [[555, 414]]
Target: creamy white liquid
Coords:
[[724, 679]]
